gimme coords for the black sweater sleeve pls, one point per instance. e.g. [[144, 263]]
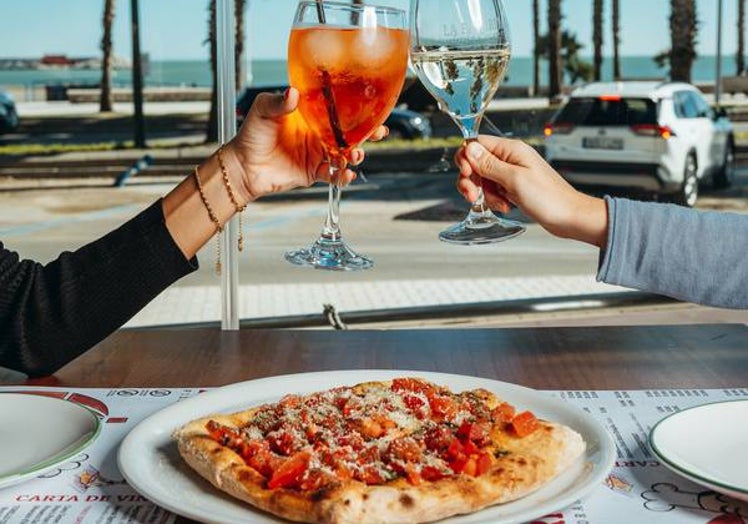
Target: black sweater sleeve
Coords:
[[50, 314]]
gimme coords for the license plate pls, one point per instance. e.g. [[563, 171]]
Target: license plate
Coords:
[[602, 142]]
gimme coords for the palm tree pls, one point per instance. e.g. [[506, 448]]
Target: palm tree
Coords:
[[105, 97], [597, 38], [555, 74], [683, 29], [211, 134], [616, 39], [740, 55], [239, 9], [535, 50]]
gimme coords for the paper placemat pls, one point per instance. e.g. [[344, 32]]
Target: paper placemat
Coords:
[[89, 488]]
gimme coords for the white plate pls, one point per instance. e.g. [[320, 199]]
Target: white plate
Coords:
[[707, 444], [39, 432], [150, 462]]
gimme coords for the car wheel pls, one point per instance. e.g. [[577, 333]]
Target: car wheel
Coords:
[[689, 191], [726, 174]]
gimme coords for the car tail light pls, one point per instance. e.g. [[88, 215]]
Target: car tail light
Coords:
[[610, 98], [558, 128], [653, 130]]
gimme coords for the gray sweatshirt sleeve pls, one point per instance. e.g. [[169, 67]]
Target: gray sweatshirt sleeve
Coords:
[[696, 256]]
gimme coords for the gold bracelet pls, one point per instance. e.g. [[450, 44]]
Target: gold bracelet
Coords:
[[213, 218], [232, 197]]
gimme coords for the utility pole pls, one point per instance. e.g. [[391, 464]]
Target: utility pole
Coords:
[[718, 67], [137, 78]]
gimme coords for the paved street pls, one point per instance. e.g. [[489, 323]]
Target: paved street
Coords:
[[394, 218]]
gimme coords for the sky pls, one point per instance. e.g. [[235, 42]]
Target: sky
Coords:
[[177, 29]]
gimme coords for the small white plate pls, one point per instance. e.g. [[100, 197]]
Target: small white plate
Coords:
[[150, 462], [39, 432], [708, 444]]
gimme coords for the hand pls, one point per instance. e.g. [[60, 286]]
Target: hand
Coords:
[[276, 151], [513, 173]]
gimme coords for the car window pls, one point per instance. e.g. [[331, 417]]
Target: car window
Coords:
[[604, 112], [685, 105], [703, 109]]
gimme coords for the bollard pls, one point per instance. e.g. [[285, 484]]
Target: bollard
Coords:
[[140, 165]]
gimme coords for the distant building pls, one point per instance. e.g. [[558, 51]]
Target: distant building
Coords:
[[56, 61]]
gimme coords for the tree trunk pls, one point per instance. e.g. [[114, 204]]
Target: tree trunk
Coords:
[[105, 97], [597, 39], [536, 47], [616, 39], [241, 76], [740, 55], [211, 133], [683, 29], [555, 71]]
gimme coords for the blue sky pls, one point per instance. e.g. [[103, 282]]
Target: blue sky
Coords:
[[176, 29]]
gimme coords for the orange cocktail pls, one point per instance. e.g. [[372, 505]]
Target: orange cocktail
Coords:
[[348, 62], [349, 79]]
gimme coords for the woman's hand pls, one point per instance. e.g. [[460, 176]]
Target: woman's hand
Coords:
[[513, 173], [275, 150]]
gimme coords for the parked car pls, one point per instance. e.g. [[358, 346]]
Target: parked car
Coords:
[[660, 138], [8, 114], [402, 122]]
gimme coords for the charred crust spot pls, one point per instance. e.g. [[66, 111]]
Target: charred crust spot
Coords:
[[365, 496], [548, 429], [320, 494], [521, 461], [347, 502], [406, 501]]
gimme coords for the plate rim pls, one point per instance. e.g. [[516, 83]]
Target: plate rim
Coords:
[[699, 479], [604, 447], [39, 468]]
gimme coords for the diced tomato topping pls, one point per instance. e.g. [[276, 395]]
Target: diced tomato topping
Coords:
[[484, 463], [458, 462], [284, 443], [410, 384], [442, 407], [438, 438], [264, 462], [369, 475], [405, 449], [432, 473], [503, 413], [414, 403], [524, 423], [370, 428], [289, 473], [473, 432], [290, 401], [412, 474], [315, 479], [470, 467]]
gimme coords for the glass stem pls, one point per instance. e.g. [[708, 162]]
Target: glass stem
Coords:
[[331, 230], [469, 128]]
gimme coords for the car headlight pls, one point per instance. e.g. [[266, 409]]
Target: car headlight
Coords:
[[417, 121]]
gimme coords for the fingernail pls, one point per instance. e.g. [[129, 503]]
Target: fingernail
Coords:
[[475, 150], [286, 93]]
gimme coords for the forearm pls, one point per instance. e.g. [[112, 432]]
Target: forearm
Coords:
[[51, 314], [690, 255], [186, 215]]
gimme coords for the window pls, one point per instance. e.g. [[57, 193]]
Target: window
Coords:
[[598, 112]]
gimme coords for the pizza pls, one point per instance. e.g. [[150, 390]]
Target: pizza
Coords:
[[398, 451]]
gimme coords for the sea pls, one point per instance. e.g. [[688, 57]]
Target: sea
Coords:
[[260, 73]]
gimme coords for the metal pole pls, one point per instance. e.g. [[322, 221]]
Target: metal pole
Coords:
[[718, 67], [225, 23]]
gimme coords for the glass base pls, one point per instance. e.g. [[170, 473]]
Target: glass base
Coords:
[[483, 228], [328, 254]]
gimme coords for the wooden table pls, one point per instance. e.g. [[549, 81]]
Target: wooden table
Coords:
[[632, 357], [612, 358]]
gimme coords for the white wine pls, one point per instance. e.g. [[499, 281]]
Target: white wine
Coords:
[[463, 82]]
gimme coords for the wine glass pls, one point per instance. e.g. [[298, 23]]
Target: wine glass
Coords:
[[348, 63], [460, 50]]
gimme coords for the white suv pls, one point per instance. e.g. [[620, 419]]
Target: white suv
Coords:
[[659, 138]]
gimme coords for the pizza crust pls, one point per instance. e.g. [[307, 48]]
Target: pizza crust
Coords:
[[513, 476]]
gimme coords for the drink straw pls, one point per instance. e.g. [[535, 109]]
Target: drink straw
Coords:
[[321, 12]]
